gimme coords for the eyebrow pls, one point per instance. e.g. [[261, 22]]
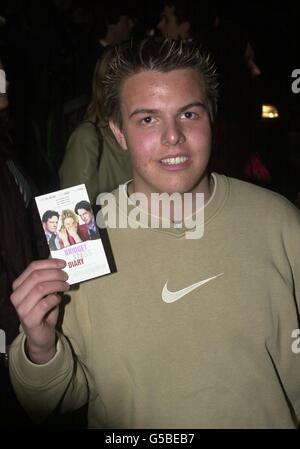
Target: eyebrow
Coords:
[[156, 111], [192, 105], [143, 111]]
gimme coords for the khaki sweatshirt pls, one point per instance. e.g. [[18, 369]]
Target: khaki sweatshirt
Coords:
[[219, 356]]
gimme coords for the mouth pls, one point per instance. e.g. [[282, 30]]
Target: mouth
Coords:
[[175, 163]]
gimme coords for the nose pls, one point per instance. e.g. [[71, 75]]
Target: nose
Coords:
[[172, 134]]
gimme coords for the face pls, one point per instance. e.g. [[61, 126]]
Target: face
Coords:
[[166, 129], [69, 223], [123, 28], [3, 96], [169, 27], [51, 225], [85, 215]]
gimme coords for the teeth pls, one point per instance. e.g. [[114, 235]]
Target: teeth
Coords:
[[174, 160]]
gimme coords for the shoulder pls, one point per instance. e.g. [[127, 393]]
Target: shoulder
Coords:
[[86, 131], [83, 227], [262, 202]]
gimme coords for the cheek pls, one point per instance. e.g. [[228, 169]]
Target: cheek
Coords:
[[201, 136], [140, 159], [142, 148]]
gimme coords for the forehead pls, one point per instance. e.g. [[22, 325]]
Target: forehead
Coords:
[[53, 218], [176, 86]]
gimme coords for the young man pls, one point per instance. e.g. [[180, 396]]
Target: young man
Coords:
[[84, 210], [50, 222], [189, 333]]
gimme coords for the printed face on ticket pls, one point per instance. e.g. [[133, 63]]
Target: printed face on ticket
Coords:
[[72, 234]]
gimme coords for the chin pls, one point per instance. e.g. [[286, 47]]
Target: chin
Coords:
[[175, 189], [182, 187]]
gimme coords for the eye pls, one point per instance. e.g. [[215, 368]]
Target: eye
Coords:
[[189, 115], [147, 120]]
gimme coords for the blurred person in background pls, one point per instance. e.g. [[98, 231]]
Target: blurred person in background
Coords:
[[93, 156], [187, 19], [17, 249], [111, 23]]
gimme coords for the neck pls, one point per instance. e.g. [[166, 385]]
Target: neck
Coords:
[[181, 205]]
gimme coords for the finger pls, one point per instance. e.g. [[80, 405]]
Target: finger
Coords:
[[37, 294], [40, 311], [34, 279], [38, 265]]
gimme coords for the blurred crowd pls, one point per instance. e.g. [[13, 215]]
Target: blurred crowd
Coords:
[[50, 50]]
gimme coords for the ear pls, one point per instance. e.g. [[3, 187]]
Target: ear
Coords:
[[118, 135]]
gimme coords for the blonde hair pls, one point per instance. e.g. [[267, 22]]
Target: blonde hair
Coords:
[[68, 213], [158, 54], [95, 111]]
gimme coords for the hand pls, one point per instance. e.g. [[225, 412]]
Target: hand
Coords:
[[64, 237], [73, 232], [72, 229], [36, 301]]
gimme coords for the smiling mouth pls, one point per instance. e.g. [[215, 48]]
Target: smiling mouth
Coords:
[[174, 160]]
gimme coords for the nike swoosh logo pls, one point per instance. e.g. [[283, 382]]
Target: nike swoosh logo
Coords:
[[170, 297]]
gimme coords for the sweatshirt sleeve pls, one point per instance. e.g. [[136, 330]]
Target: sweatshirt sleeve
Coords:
[[285, 348], [81, 160], [63, 382], [292, 244]]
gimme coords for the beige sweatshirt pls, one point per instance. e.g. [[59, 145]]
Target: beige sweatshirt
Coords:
[[219, 356]]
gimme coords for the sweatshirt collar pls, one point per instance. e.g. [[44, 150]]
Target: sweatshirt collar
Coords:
[[138, 217]]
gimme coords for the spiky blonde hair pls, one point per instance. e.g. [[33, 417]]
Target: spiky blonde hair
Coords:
[[163, 55]]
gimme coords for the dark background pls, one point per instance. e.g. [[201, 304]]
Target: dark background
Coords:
[[40, 37]]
